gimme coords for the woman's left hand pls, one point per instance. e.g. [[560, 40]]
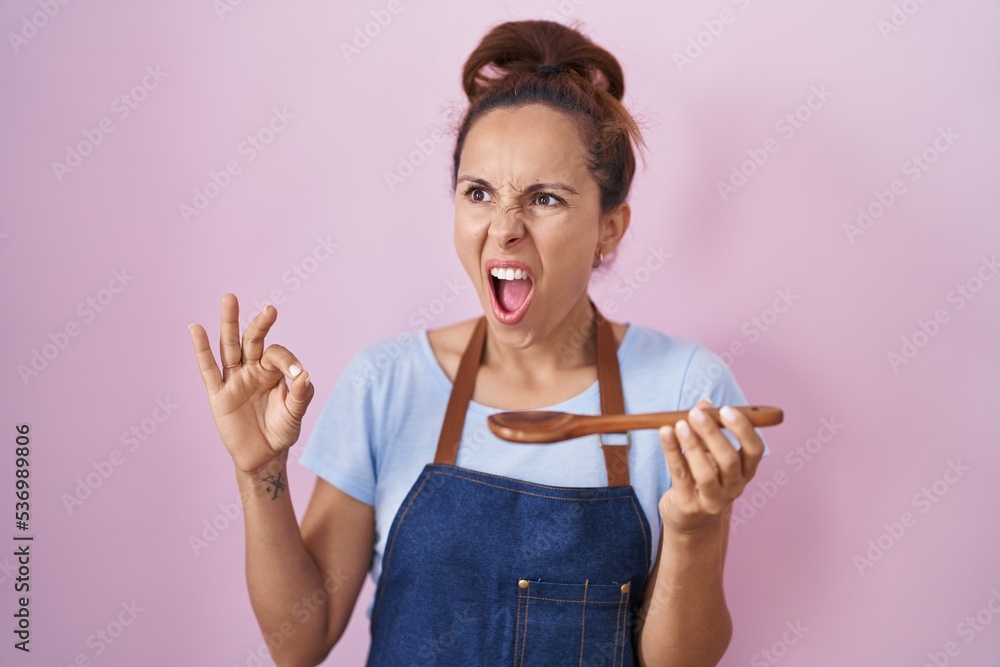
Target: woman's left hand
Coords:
[[710, 474]]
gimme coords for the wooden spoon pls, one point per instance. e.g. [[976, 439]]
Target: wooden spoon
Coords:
[[548, 426]]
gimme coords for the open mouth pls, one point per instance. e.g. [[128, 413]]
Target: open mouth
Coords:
[[511, 291]]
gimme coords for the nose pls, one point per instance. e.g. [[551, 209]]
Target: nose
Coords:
[[506, 227]]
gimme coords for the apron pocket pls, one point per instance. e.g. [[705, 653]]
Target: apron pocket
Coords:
[[586, 624]]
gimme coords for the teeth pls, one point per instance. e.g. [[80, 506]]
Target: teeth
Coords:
[[509, 274]]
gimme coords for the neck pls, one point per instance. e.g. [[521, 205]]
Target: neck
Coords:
[[568, 345]]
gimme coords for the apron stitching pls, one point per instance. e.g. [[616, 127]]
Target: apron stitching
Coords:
[[517, 629], [643, 530], [618, 627], [524, 639], [539, 495], [583, 619], [626, 637], [537, 597], [388, 555], [434, 467]]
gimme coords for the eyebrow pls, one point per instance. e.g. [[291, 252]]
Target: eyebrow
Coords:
[[534, 187]]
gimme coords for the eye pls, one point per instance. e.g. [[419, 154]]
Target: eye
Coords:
[[475, 188], [548, 197]]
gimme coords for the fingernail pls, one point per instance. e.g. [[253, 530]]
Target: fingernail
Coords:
[[667, 432], [728, 413], [698, 415], [707, 399], [683, 428], [294, 370]]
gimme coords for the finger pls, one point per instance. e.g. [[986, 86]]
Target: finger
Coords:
[[703, 468], [751, 446], [206, 360], [299, 395], [253, 336], [680, 474], [229, 333], [725, 456], [278, 358]]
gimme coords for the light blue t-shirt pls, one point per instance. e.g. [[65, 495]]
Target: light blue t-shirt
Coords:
[[380, 425]]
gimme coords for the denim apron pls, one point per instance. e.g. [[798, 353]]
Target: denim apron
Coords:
[[481, 569]]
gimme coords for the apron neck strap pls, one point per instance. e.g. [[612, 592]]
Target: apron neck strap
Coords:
[[608, 380]]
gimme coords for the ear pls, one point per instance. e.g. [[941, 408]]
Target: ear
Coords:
[[613, 227]]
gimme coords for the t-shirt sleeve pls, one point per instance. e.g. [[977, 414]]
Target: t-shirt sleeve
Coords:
[[708, 375], [340, 448]]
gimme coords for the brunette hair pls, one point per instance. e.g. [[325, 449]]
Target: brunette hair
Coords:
[[503, 71]]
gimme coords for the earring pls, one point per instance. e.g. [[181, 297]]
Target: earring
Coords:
[[598, 260]]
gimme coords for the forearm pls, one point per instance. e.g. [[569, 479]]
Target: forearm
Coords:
[[687, 622], [284, 581]]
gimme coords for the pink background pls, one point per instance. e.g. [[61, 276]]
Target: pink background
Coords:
[[323, 176]]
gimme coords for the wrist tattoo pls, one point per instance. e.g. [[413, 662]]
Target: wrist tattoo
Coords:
[[275, 483]]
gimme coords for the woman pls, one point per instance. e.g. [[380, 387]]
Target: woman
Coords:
[[585, 552]]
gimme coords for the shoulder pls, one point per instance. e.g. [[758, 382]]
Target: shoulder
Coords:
[[383, 365], [648, 345], [448, 343], [675, 365]]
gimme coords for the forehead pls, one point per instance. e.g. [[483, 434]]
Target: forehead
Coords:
[[524, 144]]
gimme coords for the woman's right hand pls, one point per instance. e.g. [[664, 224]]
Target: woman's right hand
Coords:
[[257, 415]]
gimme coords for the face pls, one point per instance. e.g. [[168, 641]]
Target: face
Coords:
[[526, 205]]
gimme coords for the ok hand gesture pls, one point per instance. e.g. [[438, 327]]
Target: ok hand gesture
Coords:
[[257, 415]]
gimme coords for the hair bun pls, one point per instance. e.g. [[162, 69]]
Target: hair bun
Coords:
[[529, 48]]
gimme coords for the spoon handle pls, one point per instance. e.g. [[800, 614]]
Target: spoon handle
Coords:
[[759, 415]]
